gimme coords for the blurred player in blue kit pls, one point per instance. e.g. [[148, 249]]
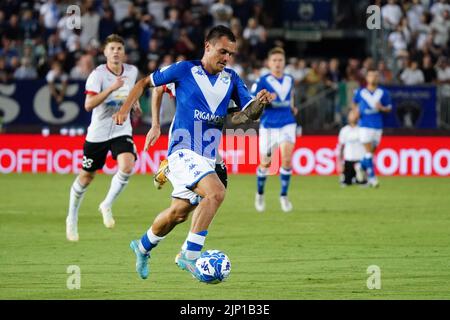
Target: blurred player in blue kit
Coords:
[[203, 89], [278, 127], [369, 103]]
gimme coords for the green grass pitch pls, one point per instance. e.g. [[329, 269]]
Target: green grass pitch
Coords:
[[320, 251]]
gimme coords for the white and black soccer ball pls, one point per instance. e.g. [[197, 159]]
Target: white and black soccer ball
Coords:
[[214, 266]]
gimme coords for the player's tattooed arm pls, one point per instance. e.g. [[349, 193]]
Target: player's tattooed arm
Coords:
[[121, 116], [254, 109]]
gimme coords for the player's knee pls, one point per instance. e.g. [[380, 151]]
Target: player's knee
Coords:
[[217, 195], [178, 215], [85, 178]]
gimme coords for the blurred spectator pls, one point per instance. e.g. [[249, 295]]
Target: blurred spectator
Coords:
[[153, 51], [391, 14], [242, 10], [132, 51], [90, 21], [428, 69], [29, 25], [146, 31], [398, 43], [412, 75], [65, 30], [83, 68], [173, 24], [441, 24], [13, 30], [26, 70], [439, 7], [121, 9], [414, 14], [106, 25], [184, 45], [5, 74], [423, 29], [221, 12], [50, 14], [129, 26], [156, 9], [386, 75], [334, 74], [443, 70], [57, 81], [352, 71], [54, 45], [253, 33]]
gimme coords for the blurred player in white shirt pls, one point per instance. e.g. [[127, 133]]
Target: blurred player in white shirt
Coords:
[[107, 87], [350, 151]]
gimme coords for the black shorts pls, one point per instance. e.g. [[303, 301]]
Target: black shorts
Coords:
[[94, 153], [221, 170]]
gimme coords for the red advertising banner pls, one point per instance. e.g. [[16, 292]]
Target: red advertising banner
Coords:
[[313, 155]]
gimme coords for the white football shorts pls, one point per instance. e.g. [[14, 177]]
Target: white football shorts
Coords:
[[186, 169], [370, 135], [271, 138]]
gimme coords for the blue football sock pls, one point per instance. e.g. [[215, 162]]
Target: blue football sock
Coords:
[[194, 244], [148, 241], [370, 169], [261, 179], [285, 178]]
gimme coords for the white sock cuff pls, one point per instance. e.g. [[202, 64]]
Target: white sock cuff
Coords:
[[122, 176], [285, 172], [261, 172], [368, 155], [78, 187], [196, 238], [153, 237]]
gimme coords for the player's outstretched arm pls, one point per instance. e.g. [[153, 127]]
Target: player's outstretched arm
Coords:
[[255, 109], [155, 131], [121, 116]]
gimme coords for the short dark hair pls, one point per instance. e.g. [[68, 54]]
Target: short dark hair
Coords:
[[220, 31], [113, 38]]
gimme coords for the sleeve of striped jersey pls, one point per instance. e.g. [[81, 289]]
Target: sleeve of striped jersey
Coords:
[[256, 87], [386, 99], [93, 83], [240, 95], [357, 96], [168, 74]]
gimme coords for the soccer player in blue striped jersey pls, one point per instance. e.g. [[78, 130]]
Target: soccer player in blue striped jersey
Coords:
[[278, 127], [370, 103], [204, 89]]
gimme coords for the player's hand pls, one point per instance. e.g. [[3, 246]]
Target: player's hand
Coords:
[[152, 136], [265, 97], [120, 117], [379, 106], [294, 111], [117, 84]]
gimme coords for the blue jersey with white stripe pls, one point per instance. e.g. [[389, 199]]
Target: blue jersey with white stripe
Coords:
[[278, 113], [201, 104], [369, 116]]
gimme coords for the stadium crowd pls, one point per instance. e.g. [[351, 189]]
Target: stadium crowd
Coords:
[[38, 42], [37, 38]]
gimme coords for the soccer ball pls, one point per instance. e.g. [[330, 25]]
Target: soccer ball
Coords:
[[214, 266]]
